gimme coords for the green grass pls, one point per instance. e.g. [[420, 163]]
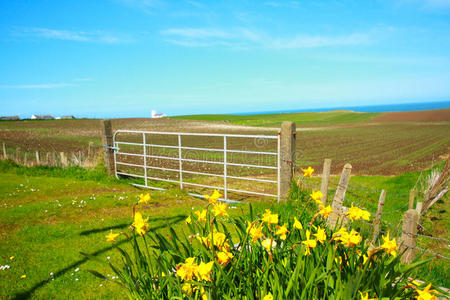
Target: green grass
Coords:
[[49, 215], [275, 120]]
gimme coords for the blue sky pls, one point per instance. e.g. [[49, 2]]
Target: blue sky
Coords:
[[123, 58]]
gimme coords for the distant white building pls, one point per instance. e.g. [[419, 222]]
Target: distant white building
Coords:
[[156, 115], [42, 117]]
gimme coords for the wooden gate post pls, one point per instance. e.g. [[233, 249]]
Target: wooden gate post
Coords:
[[325, 180], [109, 145], [377, 219], [38, 158], [5, 155], [409, 235], [287, 157], [338, 199]]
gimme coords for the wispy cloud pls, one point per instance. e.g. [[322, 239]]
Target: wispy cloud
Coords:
[[246, 38], [38, 86], [97, 36]]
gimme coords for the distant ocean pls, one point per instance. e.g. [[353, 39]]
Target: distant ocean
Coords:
[[370, 108]]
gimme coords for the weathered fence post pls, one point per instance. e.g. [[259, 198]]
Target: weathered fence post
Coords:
[[63, 157], [412, 195], [377, 219], [325, 180], [338, 199], [17, 155], [89, 150], [25, 159], [419, 206], [47, 159], [5, 155], [287, 157], [409, 235], [38, 158], [109, 145]]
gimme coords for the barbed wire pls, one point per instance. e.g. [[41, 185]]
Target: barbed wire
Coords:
[[431, 252]]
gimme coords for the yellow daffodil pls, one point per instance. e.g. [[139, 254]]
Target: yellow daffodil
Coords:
[[297, 224], [188, 220], [309, 243], [356, 213], [143, 199], [23, 276], [389, 245], [270, 218], [365, 296], [111, 237], [213, 198], [321, 235], [11, 258], [201, 216], [268, 296], [220, 209], [282, 231], [268, 244], [255, 231], [140, 224], [187, 270], [316, 196], [308, 172], [204, 271], [325, 211], [426, 294], [224, 257]]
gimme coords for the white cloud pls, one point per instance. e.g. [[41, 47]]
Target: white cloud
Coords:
[[198, 33], [308, 41], [68, 35], [244, 38], [38, 86]]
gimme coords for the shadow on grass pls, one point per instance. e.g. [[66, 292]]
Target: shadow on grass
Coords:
[[27, 294], [123, 225]]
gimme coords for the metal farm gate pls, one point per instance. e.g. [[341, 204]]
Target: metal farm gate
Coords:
[[229, 163]]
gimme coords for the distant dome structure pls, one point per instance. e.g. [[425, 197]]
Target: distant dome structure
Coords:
[[155, 115]]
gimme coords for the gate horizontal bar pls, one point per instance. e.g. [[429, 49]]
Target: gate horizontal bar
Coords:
[[252, 179], [198, 134], [199, 148]]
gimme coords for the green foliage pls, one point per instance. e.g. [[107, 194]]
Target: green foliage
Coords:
[[261, 259]]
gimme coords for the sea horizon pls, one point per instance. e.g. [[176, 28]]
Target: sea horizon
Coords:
[[413, 106]]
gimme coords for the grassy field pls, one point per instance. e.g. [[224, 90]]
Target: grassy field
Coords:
[[301, 119], [49, 215]]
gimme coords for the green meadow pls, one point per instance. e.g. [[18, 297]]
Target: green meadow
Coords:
[[49, 215]]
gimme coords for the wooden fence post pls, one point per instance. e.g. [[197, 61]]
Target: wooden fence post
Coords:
[[5, 155], [90, 150], [108, 143], [47, 159], [338, 199], [325, 180], [419, 206], [63, 159], [409, 235], [38, 158], [17, 155], [287, 157], [377, 219], [412, 195]]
